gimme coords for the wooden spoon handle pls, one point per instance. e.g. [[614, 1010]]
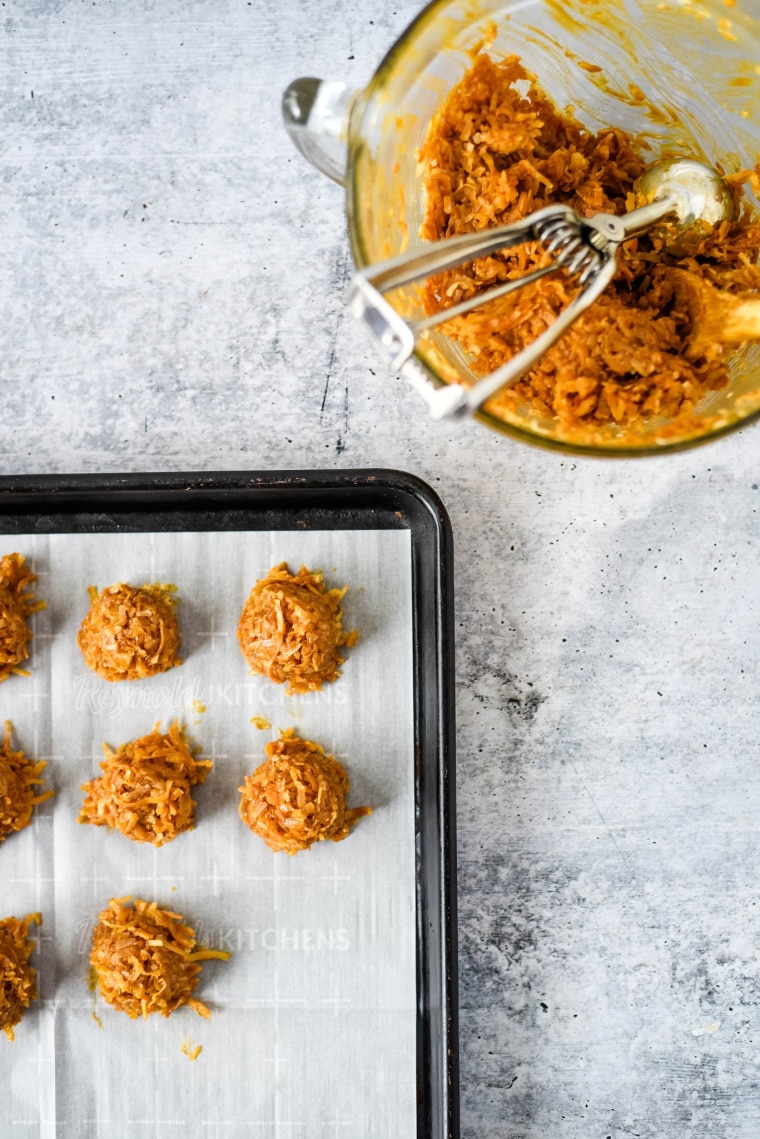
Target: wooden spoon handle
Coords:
[[734, 320]]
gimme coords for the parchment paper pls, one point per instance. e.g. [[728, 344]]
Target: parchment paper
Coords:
[[312, 1032]]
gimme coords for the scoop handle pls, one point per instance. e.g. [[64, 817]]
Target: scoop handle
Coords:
[[315, 114]]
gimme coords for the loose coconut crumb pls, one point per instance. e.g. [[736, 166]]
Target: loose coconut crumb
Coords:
[[19, 777], [17, 602], [146, 960], [298, 796], [290, 629], [144, 791], [129, 632], [191, 1049], [17, 987]]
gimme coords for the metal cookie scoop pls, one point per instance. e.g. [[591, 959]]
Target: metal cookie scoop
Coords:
[[685, 198]]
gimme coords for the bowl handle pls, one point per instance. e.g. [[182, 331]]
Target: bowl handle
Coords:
[[315, 114]]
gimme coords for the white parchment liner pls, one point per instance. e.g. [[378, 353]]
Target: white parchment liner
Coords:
[[312, 1034]]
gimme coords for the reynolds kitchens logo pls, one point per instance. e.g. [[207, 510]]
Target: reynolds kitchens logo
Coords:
[[92, 694], [242, 939]]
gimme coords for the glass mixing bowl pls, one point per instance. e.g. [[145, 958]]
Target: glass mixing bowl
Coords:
[[683, 75]]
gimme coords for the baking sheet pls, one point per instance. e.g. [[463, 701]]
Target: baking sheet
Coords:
[[313, 1019]]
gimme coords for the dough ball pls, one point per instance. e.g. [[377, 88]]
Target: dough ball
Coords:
[[290, 629], [16, 604], [146, 960], [298, 796], [130, 633], [144, 790], [17, 987], [19, 781]]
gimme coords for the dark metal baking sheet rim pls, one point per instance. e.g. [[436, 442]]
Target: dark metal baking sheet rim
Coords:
[[316, 500]]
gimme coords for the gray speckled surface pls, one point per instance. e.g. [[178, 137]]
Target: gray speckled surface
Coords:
[[171, 299]]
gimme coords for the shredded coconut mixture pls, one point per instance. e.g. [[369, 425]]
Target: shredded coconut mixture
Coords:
[[17, 987], [493, 155], [298, 796], [19, 778], [130, 633], [17, 602], [145, 959], [144, 790], [290, 629]]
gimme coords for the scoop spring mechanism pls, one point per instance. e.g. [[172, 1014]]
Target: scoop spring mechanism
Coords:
[[684, 197]]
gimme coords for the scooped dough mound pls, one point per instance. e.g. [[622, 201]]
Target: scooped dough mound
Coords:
[[144, 790], [17, 987], [298, 796], [497, 151], [146, 960], [16, 603], [19, 777], [130, 633], [290, 629]]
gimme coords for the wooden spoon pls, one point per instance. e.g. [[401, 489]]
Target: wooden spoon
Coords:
[[718, 319]]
